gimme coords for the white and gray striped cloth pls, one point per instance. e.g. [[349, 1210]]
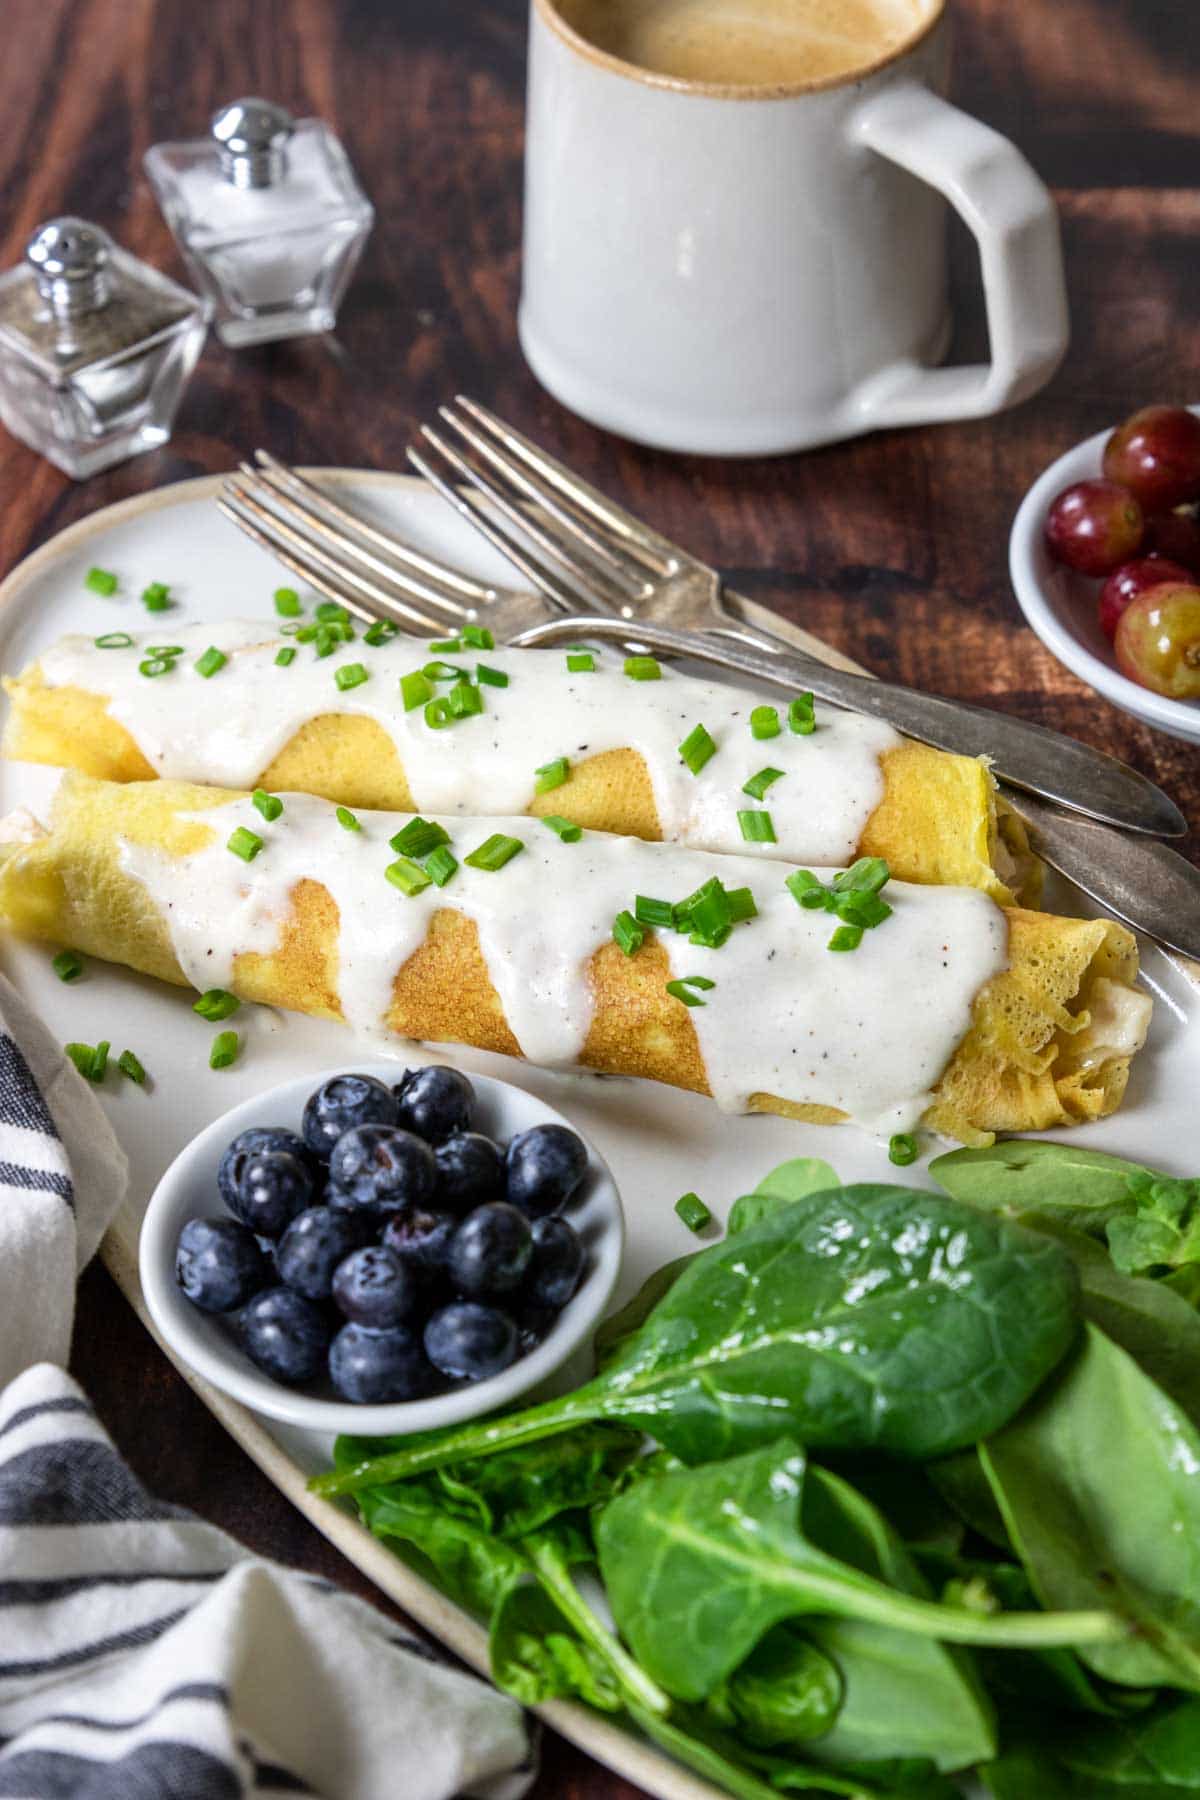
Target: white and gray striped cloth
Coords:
[[144, 1655]]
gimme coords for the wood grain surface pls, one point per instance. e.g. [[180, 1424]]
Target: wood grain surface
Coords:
[[892, 548]]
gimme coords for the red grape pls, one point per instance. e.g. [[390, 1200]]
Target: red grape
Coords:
[[1156, 454], [1131, 579], [1094, 527], [1158, 641], [1175, 535]]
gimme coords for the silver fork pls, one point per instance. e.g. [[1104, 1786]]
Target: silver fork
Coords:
[[1141, 881], [578, 548]]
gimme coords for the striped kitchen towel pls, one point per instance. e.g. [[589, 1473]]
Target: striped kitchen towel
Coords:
[[144, 1655]]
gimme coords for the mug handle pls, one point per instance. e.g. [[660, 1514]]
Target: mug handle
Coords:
[[1009, 209]]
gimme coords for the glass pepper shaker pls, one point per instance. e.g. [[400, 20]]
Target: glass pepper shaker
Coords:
[[269, 217], [95, 348]]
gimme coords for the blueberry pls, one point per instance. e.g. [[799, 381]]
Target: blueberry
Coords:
[[558, 1259], [435, 1102], [421, 1240], [376, 1366], [469, 1342], [490, 1251], [313, 1245], [343, 1101], [380, 1169], [250, 1143], [285, 1334], [543, 1168], [470, 1170], [534, 1325], [372, 1287], [274, 1187], [219, 1265]]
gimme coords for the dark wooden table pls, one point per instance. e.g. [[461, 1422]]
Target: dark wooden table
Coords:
[[893, 548]]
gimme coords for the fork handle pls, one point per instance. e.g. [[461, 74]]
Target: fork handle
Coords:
[[1029, 756]]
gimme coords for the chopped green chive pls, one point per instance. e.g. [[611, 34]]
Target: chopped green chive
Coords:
[[216, 1004], [212, 660], [903, 1149], [437, 714], [551, 775], [853, 896], [307, 634], [129, 1065], [807, 891], [867, 875], [447, 647], [494, 852], [846, 937], [269, 805], [642, 668], [83, 1056], [802, 717], [407, 875], [692, 1210], [381, 632], [464, 700], [764, 722], [224, 1050], [291, 629], [350, 675], [741, 905], [331, 612], [285, 657], [419, 837], [682, 990], [580, 662], [164, 649], [628, 935], [346, 819], [67, 965], [490, 677], [563, 828], [327, 639], [114, 640], [862, 909], [100, 1059], [442, 671], [156, 597], [156, 665], [478, 637], [697, 748], [441, 865], [758, 784], [101, 581], [415, 690], [287, 603], [648, 911], [245, 844], [757, 827]]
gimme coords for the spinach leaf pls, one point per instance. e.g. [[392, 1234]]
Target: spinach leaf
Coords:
[[698, 1567], [785, 1692], [621, 1325], [961, 1482], [694, 1742], [1163, 1231], [869, 1317], [466, 1562], [1098, 1480], [1155, 1756], [1080, 1188], [794, 1180]]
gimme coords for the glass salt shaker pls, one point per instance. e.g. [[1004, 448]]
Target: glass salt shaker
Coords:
[[95, 348], [269, 217]]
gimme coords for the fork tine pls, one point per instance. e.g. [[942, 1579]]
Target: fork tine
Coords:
[[547, 584], [305, 494], [366, 599], [652, 550], [474, 478], [293, 512], [594, 545]]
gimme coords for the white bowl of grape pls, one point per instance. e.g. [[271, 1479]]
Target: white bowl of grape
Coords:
[[378, 1256], [1105, 561]]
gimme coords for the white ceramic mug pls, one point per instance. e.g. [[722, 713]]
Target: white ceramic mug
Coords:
[[749, 271]]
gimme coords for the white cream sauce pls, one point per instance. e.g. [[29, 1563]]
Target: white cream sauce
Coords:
[[229, 728], [868, 1031]]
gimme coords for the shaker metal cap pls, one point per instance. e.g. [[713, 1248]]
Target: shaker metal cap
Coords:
[[252, 135], [69, 257]]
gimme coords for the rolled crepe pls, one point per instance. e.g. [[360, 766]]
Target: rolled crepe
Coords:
[[852, 787], [952, 1012]]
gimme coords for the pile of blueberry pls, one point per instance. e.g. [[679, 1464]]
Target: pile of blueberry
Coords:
[[389, 1246]]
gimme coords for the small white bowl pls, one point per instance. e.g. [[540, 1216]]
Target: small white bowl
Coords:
[[1062, 607], [209, 1345]]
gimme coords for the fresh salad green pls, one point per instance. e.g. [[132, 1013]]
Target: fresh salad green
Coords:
[[883, 1488]]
